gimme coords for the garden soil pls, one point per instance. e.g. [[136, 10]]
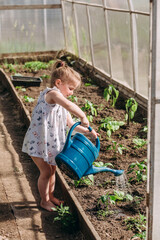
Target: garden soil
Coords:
[[108, 219]]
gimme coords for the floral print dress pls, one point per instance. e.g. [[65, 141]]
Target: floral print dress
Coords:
[[46, 135]]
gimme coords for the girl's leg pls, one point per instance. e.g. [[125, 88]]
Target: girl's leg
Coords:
[[44, 182], [52, 187]]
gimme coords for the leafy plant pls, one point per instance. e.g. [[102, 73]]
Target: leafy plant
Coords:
[[117, 148], [131, 108], [110, 125], [21, 88], [73, 98], [111, 93], [89, 106], [90, 118], [66, 218], [137, 225], [28, 99], [45, 76], [104, 201], [38, 65], [87, 180], [10, 67], [140, 169], [120, 196], [102, 164], [139, 142]]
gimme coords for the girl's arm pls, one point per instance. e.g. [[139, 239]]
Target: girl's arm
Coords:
[[56, 97], [80, 128]]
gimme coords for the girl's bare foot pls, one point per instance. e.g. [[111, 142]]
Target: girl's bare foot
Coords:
[[47, 205], [56, 201]]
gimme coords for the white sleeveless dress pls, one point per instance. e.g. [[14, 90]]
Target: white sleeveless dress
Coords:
[[46, 135]]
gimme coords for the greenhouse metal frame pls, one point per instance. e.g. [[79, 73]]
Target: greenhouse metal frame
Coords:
[[136, 47]]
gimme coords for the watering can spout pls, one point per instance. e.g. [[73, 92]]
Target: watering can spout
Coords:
[[94, 170]]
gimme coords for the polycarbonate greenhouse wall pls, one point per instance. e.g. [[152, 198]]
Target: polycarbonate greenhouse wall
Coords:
[[112, 35]]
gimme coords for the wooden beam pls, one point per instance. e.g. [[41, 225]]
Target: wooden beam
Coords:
[[24, 7]]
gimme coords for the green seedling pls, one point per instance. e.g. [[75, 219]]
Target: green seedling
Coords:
[[139, 142], [110, 125], [145, 129], [137, 224], [140, 169], [89, 106], [28, 99], [37, 65], [117, 148], [111, 93], [10, 67], [67, 219], [21, 88], [87, 180], [120, 196], [90, 118], [73, 98], [44, 76], [131, 108], [104, 200], [102, 164]]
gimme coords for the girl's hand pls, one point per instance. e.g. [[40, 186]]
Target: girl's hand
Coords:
[[94, 134], [85, 122]]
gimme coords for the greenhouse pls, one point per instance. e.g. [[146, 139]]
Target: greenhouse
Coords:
[[113, 45]]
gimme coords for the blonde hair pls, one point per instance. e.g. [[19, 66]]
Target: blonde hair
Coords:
[[62, 71]]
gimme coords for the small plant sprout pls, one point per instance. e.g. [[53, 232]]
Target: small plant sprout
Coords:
[[139, 142], [87, 180], [37, 65], [131, 108], [73, 98], [21, 88], [89, 106], [104, 201], [90, 118], [140, 169], [117, 148], [28, 99], [120, 196], [138, 224], [102, 164], [67, 219], [111, 93], [110, 125]]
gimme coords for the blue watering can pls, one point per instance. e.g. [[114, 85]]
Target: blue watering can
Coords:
[[78, 154]]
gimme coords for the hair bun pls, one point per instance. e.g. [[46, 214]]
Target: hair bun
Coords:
[[60, 64]]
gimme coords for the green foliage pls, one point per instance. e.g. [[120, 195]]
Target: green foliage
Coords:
[[89, 106], [140, 170], [120, 196], [139, 142], [90, 118], [37, 65], [10, 67], [131, 108], [28, 99], [45, 76], [73, 98], [110, 125], [87, 180], [117, 148], [66, 218], [111, 93], [21, 88], [102, 164], [137, 225]]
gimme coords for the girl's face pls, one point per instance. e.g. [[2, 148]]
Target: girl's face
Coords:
[[67, 88]]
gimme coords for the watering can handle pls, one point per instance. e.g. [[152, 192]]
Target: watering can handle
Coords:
[[69, 140]]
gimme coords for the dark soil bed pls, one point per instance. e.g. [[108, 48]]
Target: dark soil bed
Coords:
[[107, 218]]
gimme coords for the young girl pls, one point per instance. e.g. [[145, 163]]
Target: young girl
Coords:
[[46, 134]]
